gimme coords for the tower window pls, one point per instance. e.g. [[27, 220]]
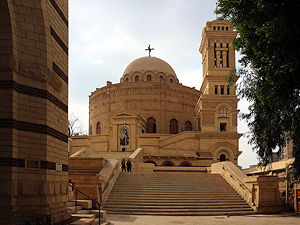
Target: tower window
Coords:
[[228, 90], [223, 112], [214, 28], [218, 28], [216, 89], [222, 28], [126, 80], [137, 78], [223, 127], [222, 90], [171, 80], [98, 128], [149, 77], [226, 28]]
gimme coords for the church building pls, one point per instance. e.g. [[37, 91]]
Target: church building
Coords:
[[175, 125]]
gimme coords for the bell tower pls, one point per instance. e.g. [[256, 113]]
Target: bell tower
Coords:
[[217, 105]]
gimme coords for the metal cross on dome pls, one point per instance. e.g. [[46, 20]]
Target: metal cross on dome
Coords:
[[149, 49]]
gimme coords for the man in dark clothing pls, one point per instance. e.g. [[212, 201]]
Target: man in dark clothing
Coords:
[[128, 165], [123, 164]]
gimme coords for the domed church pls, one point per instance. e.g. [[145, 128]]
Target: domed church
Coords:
[[173, 124]]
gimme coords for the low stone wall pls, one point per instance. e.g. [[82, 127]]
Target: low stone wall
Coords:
[[260, 192], [83, 173]]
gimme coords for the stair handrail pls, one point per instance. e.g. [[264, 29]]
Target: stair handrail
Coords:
[[72, 185]]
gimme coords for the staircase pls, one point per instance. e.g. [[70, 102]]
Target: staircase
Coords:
[[174, 193]]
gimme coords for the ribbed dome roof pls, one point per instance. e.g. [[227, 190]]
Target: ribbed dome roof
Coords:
[[150, 65]]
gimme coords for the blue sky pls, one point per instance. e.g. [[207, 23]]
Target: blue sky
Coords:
[[105, 36]]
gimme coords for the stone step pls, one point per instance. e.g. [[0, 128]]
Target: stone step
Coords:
[[172, 210], [171, 195], [141, 204], [84, 221], [178, 207], [84, 215], [174, 194], [225, 213], [85, 204], [73, 208], [174, 201], [173, 190]]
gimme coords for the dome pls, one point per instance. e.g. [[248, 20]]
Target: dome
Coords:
[[149, 69]]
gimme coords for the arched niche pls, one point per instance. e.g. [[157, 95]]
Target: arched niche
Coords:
[[168, 163]]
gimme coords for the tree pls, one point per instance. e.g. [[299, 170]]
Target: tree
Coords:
[[75, 126], [269, 41]]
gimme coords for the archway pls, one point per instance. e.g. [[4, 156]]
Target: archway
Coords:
[[186, 164], [151, 161], [222, 157], [168, 163]]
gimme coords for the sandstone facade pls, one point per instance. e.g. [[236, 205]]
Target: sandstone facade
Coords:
[[174, 124], [34, 106]]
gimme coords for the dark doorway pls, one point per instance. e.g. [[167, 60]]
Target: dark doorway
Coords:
[[222, 157]]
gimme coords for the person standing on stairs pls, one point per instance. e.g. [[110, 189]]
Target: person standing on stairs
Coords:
[[128, 165], [123, 165]]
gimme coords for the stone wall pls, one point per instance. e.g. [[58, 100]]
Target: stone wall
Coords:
[[34, 107]]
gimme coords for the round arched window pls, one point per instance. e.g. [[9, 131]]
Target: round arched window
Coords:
[[136, 78], [223, 112], [149, 77]]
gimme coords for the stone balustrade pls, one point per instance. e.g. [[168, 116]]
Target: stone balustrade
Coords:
[[107, 178], [260, 192], [137, 159]]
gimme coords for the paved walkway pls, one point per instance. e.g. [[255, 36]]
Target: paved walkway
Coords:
[[283, 219]]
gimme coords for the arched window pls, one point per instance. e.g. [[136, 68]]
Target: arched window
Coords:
[[168, 163], [188, 125], [149, 77], [98, 128], [161, 79], [223, 112], [222, 157], [136, 78], [150, 161], [173, 126], [151, 125], [186, 163], [171, 80], [126, 80]]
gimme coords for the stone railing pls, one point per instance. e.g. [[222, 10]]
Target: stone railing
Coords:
[[79, 153], [107, 178], [137, 159], [260, 192]]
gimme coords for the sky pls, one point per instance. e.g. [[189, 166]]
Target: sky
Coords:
[[106, 35]]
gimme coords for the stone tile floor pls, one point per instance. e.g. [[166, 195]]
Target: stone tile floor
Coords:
[[280, 219]]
